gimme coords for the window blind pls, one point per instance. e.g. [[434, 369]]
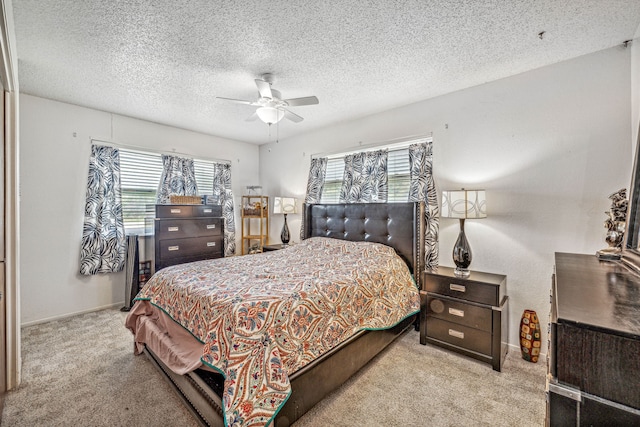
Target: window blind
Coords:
[[140, 174], [399, 179], [139, 178]]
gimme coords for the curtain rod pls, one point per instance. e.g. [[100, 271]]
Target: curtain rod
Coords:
[[150, 150], [393, 143]]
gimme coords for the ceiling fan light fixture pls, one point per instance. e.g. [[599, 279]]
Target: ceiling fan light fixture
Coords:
[[270, 115]]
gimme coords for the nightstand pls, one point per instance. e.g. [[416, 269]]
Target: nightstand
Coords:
[[274, 247], [466, 315]]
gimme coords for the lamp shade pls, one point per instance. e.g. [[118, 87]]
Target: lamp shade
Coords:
[[464, 204], [270, 115], [284, 205]]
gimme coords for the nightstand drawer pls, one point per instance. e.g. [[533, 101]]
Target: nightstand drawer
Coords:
[[178, 228], [459, 312], [464, 289], [459, 335]]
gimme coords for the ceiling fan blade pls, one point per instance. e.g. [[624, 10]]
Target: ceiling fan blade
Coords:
[[237, 101], [292, 116], [307, 100], [264, 88], [252, 118]]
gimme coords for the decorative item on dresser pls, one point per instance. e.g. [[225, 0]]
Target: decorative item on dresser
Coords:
[[284, 205], [463, 204], [594, 343], [255, 208], [467, 315], [183, 233], [615, 225]]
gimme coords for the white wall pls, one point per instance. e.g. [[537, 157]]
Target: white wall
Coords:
[[549, 146], [55, 149]]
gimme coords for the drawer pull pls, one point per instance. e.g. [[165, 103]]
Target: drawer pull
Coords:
[[174, 248], [456, 312], [173, 228], [207, 210], [210, 244], [211, 226], [175, 210], [457, 288], [456, 334]]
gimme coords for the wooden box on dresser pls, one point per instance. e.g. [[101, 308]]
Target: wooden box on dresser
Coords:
[[183, 233], [467, 315], [594, 343]]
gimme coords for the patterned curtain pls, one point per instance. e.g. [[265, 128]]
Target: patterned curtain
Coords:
[[177, 178], [365, 178], [315, 184], [423, 188], [103, 247], [222, 195]]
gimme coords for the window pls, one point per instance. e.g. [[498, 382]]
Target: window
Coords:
[[140, 174], [399, 179]]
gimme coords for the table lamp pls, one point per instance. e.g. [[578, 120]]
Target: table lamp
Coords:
[[284, 205], [463, 204]]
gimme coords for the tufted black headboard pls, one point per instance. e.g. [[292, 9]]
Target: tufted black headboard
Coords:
[[399, 225]]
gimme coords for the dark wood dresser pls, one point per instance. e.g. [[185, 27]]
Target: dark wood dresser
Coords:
[[184, 233], [594, 343], [467, 315]]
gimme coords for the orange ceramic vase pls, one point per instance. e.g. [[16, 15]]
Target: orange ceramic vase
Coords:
[[530, 336]]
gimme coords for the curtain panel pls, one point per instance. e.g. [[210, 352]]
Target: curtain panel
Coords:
[[178, 178], [365, 178], [315, 184], [423, 189], [103, 247], [222, 195]]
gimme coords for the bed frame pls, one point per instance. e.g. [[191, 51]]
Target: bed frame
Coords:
[[399, 225]]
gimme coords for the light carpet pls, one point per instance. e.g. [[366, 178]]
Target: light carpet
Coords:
[[81, 371]]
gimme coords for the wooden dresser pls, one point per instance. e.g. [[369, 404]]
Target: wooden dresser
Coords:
[[594, 343], [466, 315], [183, 233]]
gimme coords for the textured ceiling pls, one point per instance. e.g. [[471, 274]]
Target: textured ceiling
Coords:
[[166, 60]]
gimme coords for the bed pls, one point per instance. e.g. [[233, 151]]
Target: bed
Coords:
[[298, 328]]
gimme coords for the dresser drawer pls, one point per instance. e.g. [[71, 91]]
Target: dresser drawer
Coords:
[[482, 293], [173, 211], [459, 335], [182, 260], [179, 228], [178, 248], [458, 312], [206, 210], [186, 211]]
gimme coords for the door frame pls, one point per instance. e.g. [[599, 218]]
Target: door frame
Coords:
[[9, 76]]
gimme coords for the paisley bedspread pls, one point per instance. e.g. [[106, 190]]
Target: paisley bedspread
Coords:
[[263, 316]]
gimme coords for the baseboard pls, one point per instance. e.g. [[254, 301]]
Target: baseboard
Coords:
[[516, 349], [64, 316]]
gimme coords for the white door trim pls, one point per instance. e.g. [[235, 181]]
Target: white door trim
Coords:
[[9, 75]]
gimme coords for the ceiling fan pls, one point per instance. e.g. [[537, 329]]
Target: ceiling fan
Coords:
[[271, 106]]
